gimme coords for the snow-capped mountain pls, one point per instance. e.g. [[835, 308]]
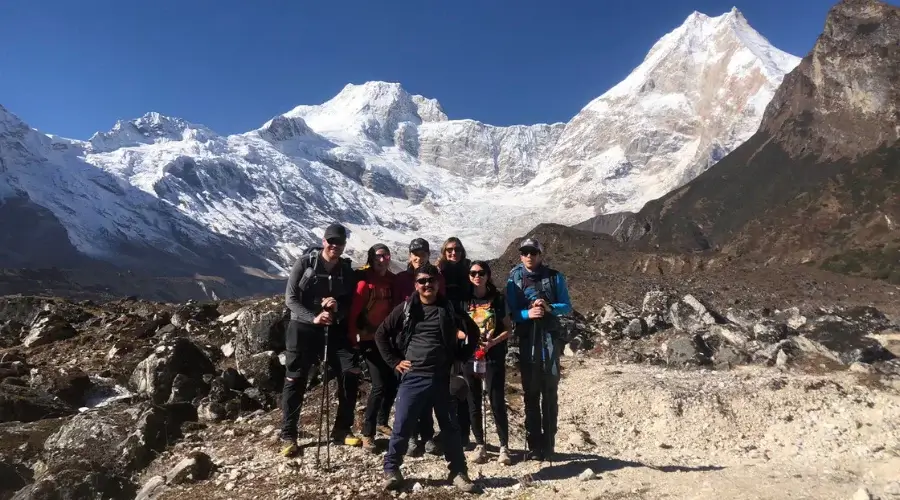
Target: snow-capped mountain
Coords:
[[392, 166], [699, 93]]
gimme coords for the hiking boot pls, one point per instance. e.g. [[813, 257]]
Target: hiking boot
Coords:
[[431, 446], [504, 456], [345, 437], [289, 448], [384, 430], [416, 450], [368, 443], [479, 456], [536, 455], [462, 482], [392, 480]]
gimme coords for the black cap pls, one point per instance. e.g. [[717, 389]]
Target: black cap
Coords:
[[335, 231], [531, 243], [418, 244]]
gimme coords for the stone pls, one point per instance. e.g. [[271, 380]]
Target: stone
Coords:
[[635, 329], [260, 328], [263, 371], [862, 494], [690, 315], [196, 467], [655, 310], [155, 375], [731, 334], [152, 489], [47, 329], [892, 489], [685, 350], [27, 404], [770, 332], [781, 359], [587, 475], [227, 349], [861, 367]]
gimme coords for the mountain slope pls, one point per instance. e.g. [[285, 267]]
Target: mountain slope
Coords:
[[818, 183], [698, 94], [392, 166]]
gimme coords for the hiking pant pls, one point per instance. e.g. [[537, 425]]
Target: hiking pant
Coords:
[[495, 382], [539, 353], [305, 346], [383, 390], [425, 425], [415, 395]]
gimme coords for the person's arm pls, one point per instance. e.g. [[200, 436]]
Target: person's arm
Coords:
[[503, 323], [466, 348], [293, 295], [345, 300], [388, 329], [563, 304], [360, 299], [518, 314]]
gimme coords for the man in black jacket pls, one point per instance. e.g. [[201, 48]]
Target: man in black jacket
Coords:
[[319, 291], [422, 338]]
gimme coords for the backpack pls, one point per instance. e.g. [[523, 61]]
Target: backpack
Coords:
[[546, 285], [311, 256]]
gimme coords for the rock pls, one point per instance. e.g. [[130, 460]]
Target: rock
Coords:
[[770, 332], [78, 479], [26, 404], [781, 359], [154, 487], [12, 369], [862, 494], [635, 329], [655, 310], [861, 367], [229, 486], [685, 350], [263, 371], [587, 475], [729, 356], [892, 489], [730, 334], [73, 386], [227, 349], [840, 341], [260, 328], [196, 467], [743, 319], [211, 412], [10, 331], [118, 437], [791, 318], [47, 329], [155, 375], [690, 315]]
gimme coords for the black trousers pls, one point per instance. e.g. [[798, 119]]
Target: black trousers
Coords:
[[383, 392], [539, 353], [305, 347], [495, 381]]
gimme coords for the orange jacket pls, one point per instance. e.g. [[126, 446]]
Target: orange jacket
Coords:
[[372, 302]]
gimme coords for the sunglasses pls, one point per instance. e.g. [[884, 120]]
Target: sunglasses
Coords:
[[477, 273], [426, 281], [451, 249], [336, 242], [527, 253], [383, 256]]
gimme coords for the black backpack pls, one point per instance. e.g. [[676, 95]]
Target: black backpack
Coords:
[[311, 256]]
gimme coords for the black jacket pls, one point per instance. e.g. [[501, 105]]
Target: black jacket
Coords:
[[392, 340]]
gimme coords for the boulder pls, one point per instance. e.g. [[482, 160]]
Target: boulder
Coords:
[[731, 334], [260, 328], [263, 371], [10, 332], [690, 315], [655, 310], [842, 340], [686, 350], [196, 467], [769, 331], [75, 480], [46, 329], [26, 404], [152, 489], [155, 375]]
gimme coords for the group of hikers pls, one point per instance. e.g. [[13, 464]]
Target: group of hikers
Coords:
[[433, 337]]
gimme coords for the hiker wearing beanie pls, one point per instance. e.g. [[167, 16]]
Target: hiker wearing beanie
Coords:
[[536, 296], [422, 338], [319, 294], [371, 304], [487, 308], [404, 288]]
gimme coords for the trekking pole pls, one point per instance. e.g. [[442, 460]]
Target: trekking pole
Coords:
[[327, 392]]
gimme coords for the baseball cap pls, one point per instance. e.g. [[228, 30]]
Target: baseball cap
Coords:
[[531, 243], [418, 244], [335, 231]]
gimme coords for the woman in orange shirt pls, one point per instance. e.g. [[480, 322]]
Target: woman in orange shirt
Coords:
[[372, 302]]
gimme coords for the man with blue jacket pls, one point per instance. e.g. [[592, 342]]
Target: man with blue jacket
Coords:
[[536, 296]]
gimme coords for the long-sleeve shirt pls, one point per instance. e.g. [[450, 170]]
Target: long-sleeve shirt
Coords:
[[517, 299], [306, 303]]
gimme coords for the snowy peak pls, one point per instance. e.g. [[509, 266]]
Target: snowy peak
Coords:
[[374, 110], [151, 128]]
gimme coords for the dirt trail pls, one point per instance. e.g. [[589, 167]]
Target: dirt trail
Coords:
[[646, 432]]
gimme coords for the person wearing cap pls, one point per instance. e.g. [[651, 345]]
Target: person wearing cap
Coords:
[[319, 294], [536, 296], [371, 304], [404, 288], [422, 338]]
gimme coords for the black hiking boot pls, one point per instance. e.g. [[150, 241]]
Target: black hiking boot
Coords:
[[462, 482], [392, 481]]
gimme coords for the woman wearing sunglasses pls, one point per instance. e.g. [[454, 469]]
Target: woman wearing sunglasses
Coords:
[[487, 307], [454, 265], [372, 302]]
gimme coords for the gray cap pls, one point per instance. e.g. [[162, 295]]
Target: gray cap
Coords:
[[531, 243]]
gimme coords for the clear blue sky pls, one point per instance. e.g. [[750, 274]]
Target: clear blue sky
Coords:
[[74, 67]]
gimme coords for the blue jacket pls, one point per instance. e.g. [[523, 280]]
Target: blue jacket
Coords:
[[518, 303]]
